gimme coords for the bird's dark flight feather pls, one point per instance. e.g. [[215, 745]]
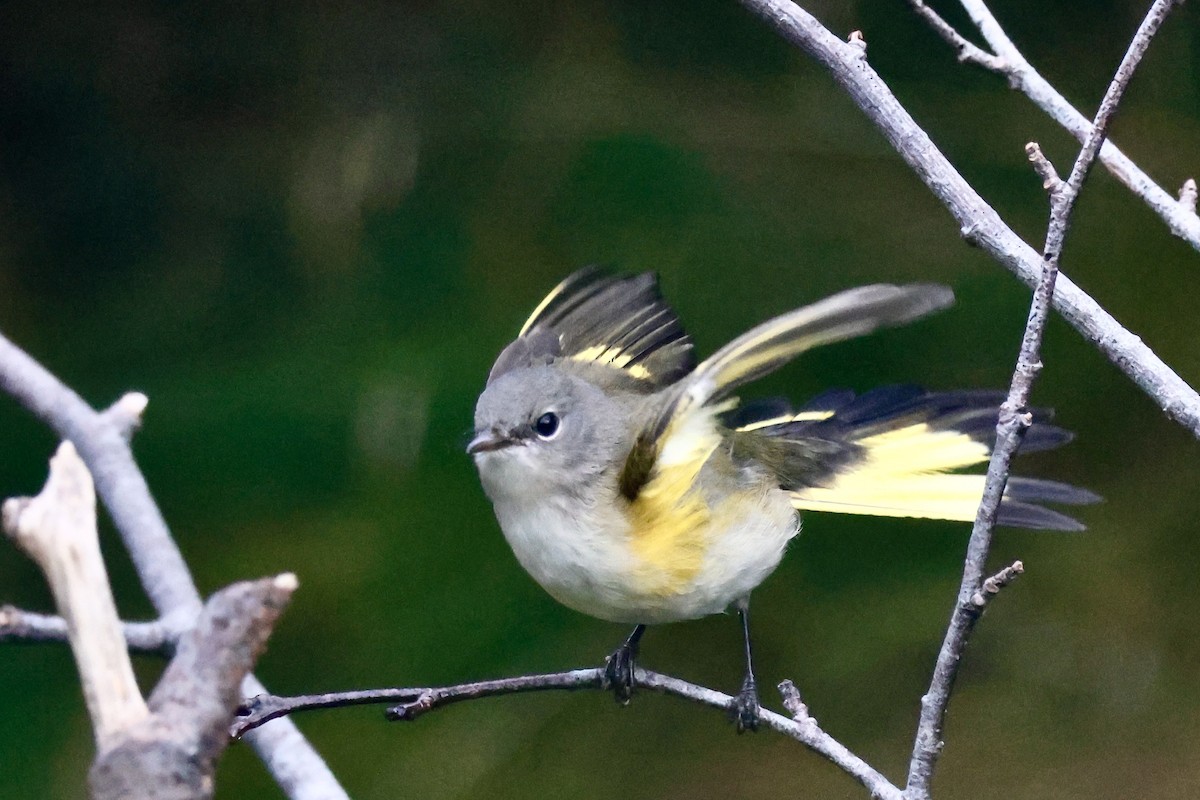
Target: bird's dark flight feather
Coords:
[[615, 321]]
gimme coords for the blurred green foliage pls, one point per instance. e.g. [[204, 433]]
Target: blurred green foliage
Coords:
[[306, 230]]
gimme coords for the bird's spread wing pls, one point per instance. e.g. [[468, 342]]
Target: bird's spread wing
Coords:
[[690, 406], [613, 321]]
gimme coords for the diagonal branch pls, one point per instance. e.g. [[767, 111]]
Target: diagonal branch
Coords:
[[979, 223], [102, 441], [57, 529], [1015, 420], [1006, 60], [418, 701], [172, 752]]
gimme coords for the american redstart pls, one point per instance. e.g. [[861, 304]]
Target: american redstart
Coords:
[[633, 488]]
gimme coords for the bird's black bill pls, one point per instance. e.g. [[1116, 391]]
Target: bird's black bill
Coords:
[[489, 441]]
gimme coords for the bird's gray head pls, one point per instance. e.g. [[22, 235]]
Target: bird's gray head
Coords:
[[541, 428]]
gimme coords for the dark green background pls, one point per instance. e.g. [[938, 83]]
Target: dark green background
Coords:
[[305, 230]]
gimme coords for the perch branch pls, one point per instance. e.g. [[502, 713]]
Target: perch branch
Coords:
[[57, 529], [978, 222], [102, 440], [1015, 418], [19, 625], [1006, 60], [415, 702]]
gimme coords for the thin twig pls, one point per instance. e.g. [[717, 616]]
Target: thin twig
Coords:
[[1014, 422], [1187, 195], [978, 221], [421, 700], [19, 625], [126, 414], [1045, 170], [968, 51], [1007, 61], [796, 706], [992, 586], [101, 438]]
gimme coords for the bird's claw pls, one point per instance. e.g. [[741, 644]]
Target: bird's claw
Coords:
[[618, 673], [744, 709]]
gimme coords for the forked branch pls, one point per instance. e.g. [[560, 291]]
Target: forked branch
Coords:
[[1014, 415], [978, 221], [102, 439], [1006, 60]]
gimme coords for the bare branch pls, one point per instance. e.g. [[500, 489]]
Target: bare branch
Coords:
[[1045, 170], [19, 625], [126, 414], [57, 529], [416, 702], [1012, 65], [162, 570], [796, 706], [992, 586], [979, 223], [102, 443], [166, 750], [172, 753], [1099, 128], [968, 51], [1014, 422]]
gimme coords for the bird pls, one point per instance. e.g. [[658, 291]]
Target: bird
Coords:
[[633, 486]]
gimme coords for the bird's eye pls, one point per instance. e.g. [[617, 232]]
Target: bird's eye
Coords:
[[547, 425]]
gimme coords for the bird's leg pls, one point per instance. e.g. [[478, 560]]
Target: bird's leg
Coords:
[[745, 705], [618, 671]]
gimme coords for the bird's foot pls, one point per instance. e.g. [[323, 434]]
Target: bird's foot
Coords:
[[618, 672], [744, 709]]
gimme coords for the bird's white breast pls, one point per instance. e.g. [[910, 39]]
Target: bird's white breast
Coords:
[[581, 550]]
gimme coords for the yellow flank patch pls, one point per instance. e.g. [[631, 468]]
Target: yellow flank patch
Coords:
[[670, 520], [904, 474], [612, 356]]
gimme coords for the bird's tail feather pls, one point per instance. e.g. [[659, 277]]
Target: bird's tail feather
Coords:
[[897, 452]]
